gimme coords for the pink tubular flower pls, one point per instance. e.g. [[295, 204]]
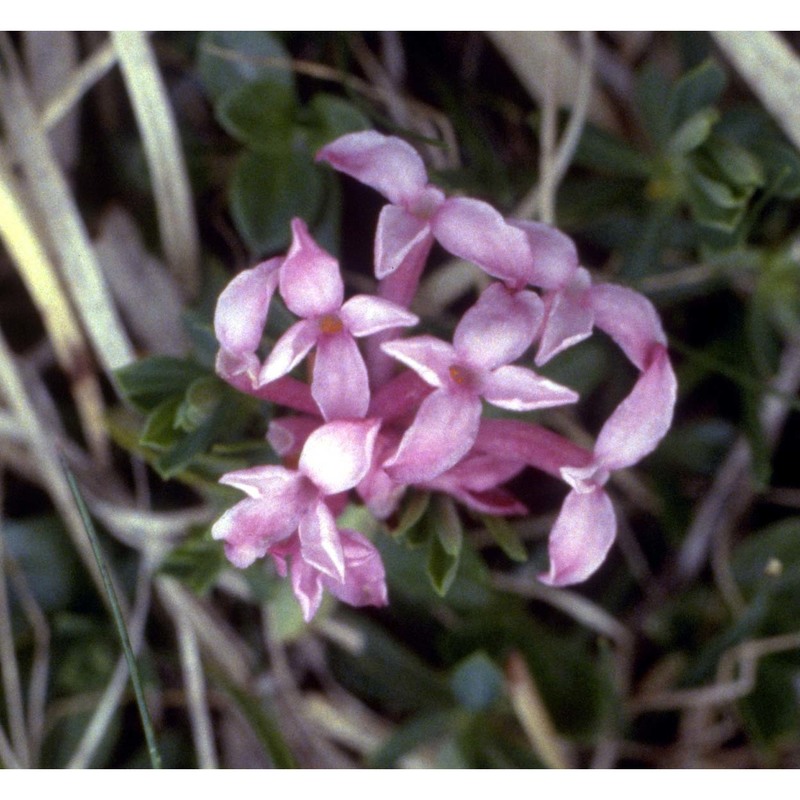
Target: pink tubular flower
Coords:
[[586, 526], [364, 582], [494, 332], [312, 288], [282, 502]]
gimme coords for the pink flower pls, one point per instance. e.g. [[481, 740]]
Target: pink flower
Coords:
[[363, 584], [280, 502], [494, 332], [312, 288]]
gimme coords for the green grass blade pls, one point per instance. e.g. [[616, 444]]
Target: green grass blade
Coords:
[[147, 724]]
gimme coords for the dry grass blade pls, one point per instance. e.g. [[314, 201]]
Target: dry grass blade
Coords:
[[772, 71], [9, 667], [532, 713], [194, 680], [528, 52], [40, 277], [78, 83], [42, 442], [170, 180], [59, 216], [40, 666]]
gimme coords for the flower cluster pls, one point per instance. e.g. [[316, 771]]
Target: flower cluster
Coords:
[[408, 410]]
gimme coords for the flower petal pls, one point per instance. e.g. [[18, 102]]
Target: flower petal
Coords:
[[398, 235], [267, 482], [629, 319], [340, 384], [499, 328], [364, 315], [473, 230], [365, 578], [338, 455], [640, 421], [442, 433], [554, 257], [287, 435], [429, 357], [581, 537], [531, 444], [241, 311], [250, 528], [569, 320], [386, 163], [307, 587], [310, 280], [319, 541], [521, 389], [289, 351]]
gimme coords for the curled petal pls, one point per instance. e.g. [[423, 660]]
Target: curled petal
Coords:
[[338, 455], [473, 230], [364, 315], [238, 369], [569, 318], [581, 537], [639, 423], [319, 541], [629, 319], [520, 389], [554, 257], [310, 281], [364, 581], [340, 384], [289, 351], [267, 482], [399, 234], [499, 328], [429, 357], [442, 433], [307, 587], [385, 163], [242, 307], [251, 528]]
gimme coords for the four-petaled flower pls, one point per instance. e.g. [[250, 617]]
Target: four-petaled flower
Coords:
[[494, 332], [311, 286]]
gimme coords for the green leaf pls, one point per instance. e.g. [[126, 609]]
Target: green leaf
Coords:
[[412, 510], [605, 153], [160, 430], [444, 544], [261, 115], [699, 88], [736, 164], [427, 727], [147, 383], [181, 454], [328, 117], [506, 537], [201, 400], [693, 132], [196, 561], [267, 191], [771, 711], [227, 60], [442, 566], [652, 96], [477, 682]]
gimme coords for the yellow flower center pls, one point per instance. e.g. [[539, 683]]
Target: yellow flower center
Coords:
[[330, 324]]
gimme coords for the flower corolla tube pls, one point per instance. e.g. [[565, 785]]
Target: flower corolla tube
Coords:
[[411, 411]]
